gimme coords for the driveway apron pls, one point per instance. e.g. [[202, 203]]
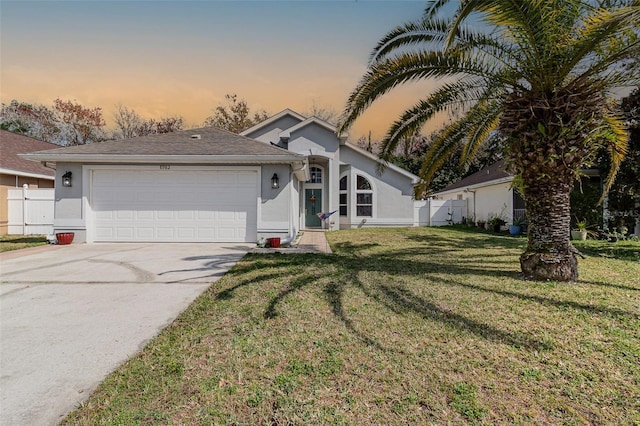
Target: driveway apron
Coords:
[[69, 315]]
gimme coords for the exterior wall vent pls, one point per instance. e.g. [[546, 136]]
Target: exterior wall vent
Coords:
[[196, 137]]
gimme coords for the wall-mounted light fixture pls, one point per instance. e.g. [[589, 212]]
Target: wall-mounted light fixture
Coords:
[[66, 179], [275, 181]]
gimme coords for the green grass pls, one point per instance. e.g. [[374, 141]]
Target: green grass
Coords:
[[398, 326], [17, 242]]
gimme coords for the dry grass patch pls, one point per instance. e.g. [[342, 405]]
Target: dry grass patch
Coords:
[[398, 326]]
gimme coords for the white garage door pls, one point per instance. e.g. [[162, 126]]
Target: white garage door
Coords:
[[174, 206]]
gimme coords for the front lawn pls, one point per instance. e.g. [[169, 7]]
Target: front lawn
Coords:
[[17, 242], [398, 326]]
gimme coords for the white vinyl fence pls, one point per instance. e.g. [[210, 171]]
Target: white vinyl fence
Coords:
[[30, 211], [446, 212], [439, 212]]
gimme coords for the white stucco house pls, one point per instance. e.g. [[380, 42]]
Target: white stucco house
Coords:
[[487, 193], [209, 185]]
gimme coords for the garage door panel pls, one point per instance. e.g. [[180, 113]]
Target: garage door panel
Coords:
[[215, 206], [165, 233], [144, 215], [144, 233], [124, 215], [126, 233]]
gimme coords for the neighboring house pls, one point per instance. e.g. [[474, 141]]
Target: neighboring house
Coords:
[[16, 171], [487, 193], [211, 185]]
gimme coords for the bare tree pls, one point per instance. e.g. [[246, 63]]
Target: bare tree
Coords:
[[327, 114], [130, 124], [80, 125], [128, 121], [235, 116]]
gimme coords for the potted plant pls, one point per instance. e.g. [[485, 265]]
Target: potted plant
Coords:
[[516, 227], [496, 222], [580, 231]]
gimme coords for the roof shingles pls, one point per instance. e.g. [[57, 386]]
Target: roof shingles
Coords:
[[11, 145], [208, 141], [494, 172]]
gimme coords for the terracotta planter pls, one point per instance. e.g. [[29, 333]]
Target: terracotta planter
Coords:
[[274, 242], [64, 238]]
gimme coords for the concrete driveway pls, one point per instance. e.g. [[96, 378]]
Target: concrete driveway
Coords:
[[69, 315]]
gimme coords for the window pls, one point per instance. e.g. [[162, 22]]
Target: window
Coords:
[[316, 175], [344, 197], [364, 197], [363, 184]]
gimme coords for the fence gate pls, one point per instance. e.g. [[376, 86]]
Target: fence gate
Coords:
[[446, 212], [30, 211]]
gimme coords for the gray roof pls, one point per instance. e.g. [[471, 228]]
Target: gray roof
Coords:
[[206, 142], [494, 172]]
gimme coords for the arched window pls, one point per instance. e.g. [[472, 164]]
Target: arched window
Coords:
[[316, 175], [344, 196], [364, 197]]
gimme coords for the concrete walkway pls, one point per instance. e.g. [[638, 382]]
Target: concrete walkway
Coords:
[[311, 241], [314, 240]]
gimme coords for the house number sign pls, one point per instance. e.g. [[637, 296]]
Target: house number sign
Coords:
[[165, 167]]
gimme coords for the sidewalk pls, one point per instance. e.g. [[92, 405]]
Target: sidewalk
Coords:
[[311, 241]]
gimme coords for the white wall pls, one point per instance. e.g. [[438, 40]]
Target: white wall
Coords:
[[494, 200], [393, 203], [275, 219]]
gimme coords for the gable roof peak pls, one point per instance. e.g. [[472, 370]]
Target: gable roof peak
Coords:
[[273, 118]]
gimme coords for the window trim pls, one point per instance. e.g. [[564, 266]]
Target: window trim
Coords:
[[344, 192], [364, 191]]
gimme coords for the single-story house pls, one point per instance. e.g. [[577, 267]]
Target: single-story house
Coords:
[[15, 172], [487, 193], [210, 185]]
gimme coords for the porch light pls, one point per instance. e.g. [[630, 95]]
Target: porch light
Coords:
[[275, 181], [66, 179]]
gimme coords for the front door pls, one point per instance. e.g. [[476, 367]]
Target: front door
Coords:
[[312, 206]]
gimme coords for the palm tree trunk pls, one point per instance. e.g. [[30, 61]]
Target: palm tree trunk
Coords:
[[549, 254]]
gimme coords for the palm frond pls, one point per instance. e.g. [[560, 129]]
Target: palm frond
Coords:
[[616, 138], [418, 33], [434, 6], [441, 149], [597, 28], [386, 75], [484, 119], [456, 93]]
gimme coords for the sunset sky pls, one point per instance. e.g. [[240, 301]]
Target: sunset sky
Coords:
[[181, 57]]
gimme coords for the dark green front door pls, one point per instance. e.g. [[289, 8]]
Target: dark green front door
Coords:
[[312, 206]]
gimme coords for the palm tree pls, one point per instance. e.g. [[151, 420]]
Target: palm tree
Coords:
[[539, 72]]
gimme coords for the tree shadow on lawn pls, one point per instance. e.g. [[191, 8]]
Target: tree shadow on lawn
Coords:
[[467, 240], [350, 260]]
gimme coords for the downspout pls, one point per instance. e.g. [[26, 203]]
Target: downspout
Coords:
[[473, 191], [44, 164]]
